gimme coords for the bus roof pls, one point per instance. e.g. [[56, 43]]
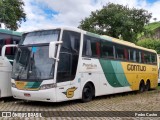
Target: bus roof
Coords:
[[104, 37], [10, 32], [64, 27], [119, 41]]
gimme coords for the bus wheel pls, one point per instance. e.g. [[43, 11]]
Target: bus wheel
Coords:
[[87, 93], [147, 85], [141, 87]]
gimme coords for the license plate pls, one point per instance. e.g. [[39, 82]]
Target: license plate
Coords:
[[27, 94]]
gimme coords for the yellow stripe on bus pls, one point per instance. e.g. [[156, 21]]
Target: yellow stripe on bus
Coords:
[[136, 72]]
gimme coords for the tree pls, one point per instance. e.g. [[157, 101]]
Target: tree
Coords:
[[155, 19], [151, 44], [115, 20], [12, 13]]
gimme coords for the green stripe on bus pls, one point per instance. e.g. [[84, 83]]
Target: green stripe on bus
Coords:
[[106, 38], [114, 73], [99, 36], [10, 32], [29, 84], [93, 35], [121, 75], [33, 85], [36, 84]]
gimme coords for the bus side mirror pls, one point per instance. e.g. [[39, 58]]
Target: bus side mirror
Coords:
[[52, 49], [4, 50]]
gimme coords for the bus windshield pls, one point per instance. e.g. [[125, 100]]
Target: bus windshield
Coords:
[[32, 60], [33, 63], [38, 37]]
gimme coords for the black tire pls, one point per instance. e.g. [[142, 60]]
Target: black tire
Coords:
[[87, 93], [148, 85], [141, 87]]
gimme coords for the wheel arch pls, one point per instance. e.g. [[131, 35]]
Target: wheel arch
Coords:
[[93, 85], [141, 86], [148, 80], [141, 81]]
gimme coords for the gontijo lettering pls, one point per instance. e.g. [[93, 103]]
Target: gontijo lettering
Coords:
[[131, 67]]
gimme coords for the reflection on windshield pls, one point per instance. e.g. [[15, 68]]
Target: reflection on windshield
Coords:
[[33, 63], [41, 37]]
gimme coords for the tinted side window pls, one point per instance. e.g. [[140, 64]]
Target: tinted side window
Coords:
[[107, 49], [120, 52], [91, 47], [137, 56], [147, 58], [132, 55], [14, 40], [5, 39], [154, 58], [126, 54], [142, 57]]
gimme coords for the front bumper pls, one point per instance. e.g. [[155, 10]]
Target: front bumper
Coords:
[[47, 95]]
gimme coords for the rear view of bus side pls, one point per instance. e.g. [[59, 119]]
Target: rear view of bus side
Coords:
[[65, 64]]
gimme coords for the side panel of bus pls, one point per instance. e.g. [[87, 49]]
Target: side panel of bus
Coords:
[[5, 77], [5, 63], [116, 68]]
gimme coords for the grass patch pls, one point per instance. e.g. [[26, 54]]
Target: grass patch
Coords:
[[152, 26]]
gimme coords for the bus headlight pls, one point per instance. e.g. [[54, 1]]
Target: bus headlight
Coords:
[[48, 86], [13, 85]]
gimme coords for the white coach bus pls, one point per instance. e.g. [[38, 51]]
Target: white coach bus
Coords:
[[11, 38], [64, 64]]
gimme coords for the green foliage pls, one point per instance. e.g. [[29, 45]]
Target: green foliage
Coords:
[[149, 30], [117, 20], [12, 13], [151, 44]]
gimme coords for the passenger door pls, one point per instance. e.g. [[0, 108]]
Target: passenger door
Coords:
[[67, 67]]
